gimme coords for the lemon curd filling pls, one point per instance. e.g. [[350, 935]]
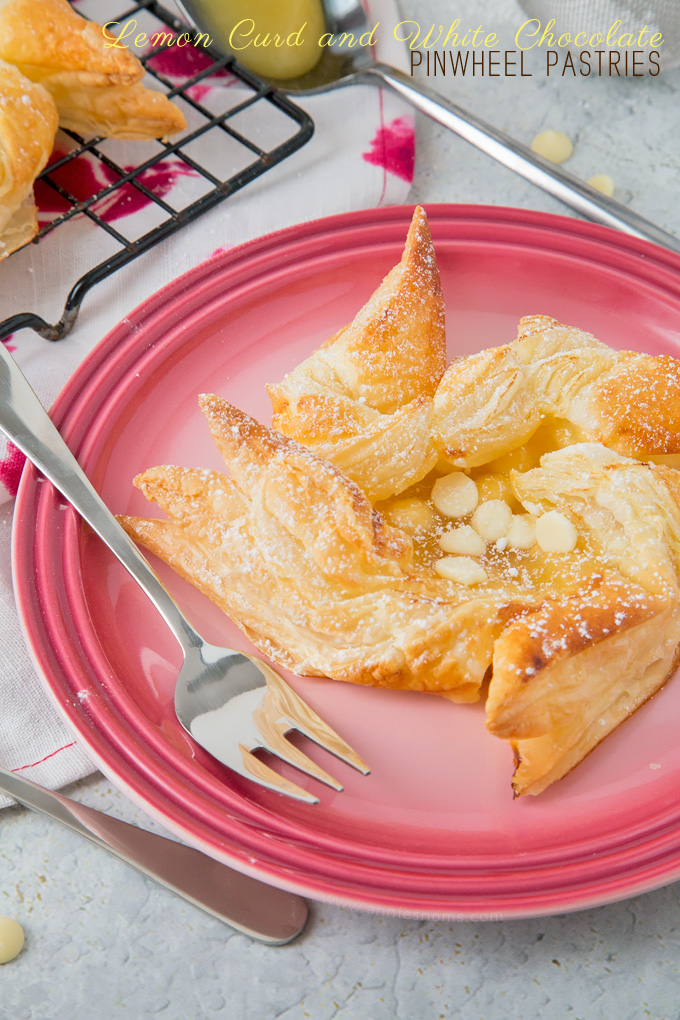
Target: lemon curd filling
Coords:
[[469, 526]]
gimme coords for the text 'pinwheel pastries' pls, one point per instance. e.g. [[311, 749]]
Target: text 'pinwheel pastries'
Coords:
[[507, 526]]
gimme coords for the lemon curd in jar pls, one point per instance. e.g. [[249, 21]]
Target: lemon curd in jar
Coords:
[[272, 38]]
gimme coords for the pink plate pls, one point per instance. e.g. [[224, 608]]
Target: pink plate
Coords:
[[433, 830]]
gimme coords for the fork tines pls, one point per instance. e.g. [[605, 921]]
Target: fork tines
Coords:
[[280, 711]]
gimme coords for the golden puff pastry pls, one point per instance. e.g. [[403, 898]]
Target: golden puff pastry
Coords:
[[48, 39], [28, 123], [493, 402], [565, 674], [117, 111], [294, 552], [364, 398], [97, 88]]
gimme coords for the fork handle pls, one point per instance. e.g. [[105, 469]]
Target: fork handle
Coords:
[[27, 424], [518, 157], [260, 911]]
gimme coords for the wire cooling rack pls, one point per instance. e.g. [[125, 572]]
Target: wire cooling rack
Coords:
[[290, 128]]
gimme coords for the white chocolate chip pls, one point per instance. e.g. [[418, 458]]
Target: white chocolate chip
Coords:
[[555, 533], [411, 515], [461, 569], [455, 495], [522, 531], [492, 519], [554, 146], [463, 540], [603, 183], [11, 939]]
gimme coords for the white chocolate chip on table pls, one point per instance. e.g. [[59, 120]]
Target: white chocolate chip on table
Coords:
[[555, 532], [455, 495], [603, 183], [11, 939], [461, 569], [554, 146]]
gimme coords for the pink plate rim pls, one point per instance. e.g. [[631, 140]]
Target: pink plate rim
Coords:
[[252, 838]]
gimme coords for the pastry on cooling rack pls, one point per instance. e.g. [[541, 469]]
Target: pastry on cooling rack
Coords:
[[97, 88], [28, 123], [364, 399], [520, 544], [116, 111]]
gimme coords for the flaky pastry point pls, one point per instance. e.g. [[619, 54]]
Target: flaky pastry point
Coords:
[[364, 398], [117, 111]]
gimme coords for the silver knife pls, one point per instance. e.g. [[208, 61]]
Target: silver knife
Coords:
[[261, 911]]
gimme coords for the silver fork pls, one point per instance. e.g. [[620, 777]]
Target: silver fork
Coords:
[[231, 703]]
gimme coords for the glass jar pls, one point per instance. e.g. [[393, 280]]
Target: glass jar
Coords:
[[274, 38]]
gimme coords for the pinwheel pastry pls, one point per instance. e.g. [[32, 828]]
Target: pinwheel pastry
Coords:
[[97, 87], [28, 123], [515, 538]]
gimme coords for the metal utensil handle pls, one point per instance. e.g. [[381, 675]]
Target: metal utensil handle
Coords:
[[260, 911], [26, 423], [511, 153]]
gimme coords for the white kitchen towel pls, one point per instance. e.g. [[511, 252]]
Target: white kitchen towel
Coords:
[[361, 156]]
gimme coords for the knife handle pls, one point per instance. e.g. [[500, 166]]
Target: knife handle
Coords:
[[264, 913]]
